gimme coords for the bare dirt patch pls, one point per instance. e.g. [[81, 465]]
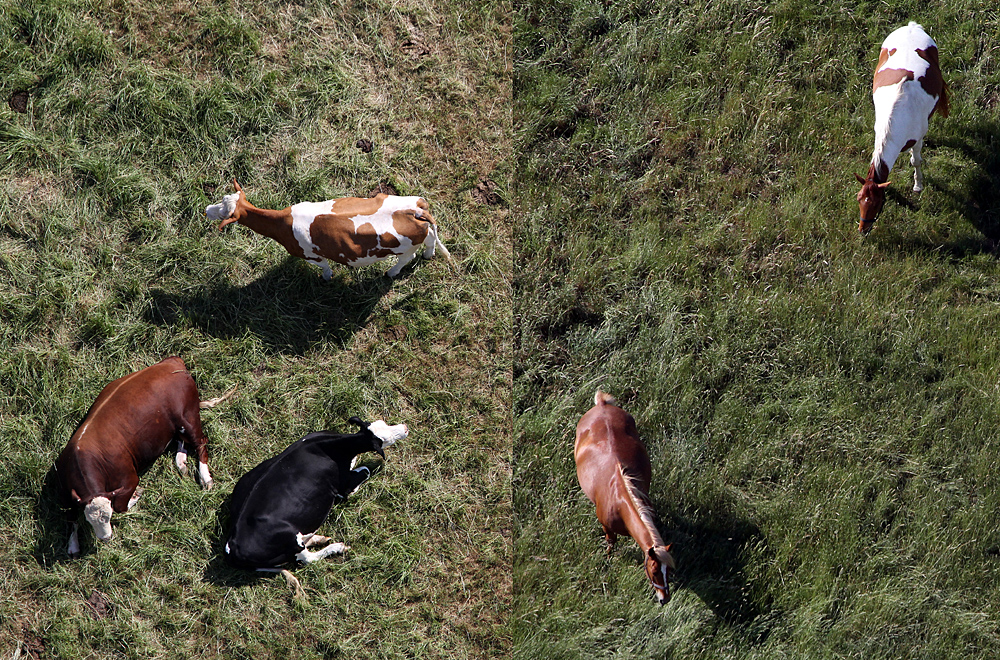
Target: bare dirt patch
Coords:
[[19, 102]]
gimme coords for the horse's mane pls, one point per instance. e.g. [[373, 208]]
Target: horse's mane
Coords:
[[642, 503]]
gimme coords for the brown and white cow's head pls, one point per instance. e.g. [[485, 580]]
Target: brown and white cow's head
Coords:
[[871, 199], [98, 513], [229, 209]]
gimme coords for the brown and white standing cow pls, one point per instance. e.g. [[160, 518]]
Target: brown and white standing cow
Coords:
[[907, 89], [353, 231], [132, 422]]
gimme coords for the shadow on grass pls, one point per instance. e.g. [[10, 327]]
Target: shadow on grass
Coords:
[[978, 198], [218, 572], [710, 560], [975, 194], [289, 309], [53, 525]]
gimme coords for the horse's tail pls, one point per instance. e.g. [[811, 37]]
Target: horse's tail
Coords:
[[603, 397]]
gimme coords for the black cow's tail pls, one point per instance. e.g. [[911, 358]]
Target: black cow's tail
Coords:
[[298, 593]]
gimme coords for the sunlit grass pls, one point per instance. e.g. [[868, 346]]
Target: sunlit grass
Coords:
[[820, 409], [138, 115]]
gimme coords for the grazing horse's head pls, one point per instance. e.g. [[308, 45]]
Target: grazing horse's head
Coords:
[[871, 198], [659, 565]]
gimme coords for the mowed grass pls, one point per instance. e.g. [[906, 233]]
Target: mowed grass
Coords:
[[821, 409], [120, 121]]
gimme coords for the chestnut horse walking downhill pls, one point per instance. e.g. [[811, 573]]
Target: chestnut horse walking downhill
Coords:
[[614, 472]]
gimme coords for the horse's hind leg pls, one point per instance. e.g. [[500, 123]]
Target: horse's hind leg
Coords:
[[916, 161]]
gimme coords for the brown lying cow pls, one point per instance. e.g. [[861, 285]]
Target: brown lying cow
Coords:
[[353, 231], [131, 423]]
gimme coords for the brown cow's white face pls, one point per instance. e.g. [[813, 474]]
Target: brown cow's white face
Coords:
[[98, 514], [223, 209]]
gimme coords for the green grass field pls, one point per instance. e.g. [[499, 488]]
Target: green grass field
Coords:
[[120, 120], [821, 409]]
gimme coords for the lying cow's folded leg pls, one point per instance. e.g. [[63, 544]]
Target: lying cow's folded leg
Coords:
[[316, 540], [355, 478], [135, 498], [308, 557]]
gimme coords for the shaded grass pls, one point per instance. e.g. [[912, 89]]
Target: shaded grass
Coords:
[[818, 407], [137, 116]]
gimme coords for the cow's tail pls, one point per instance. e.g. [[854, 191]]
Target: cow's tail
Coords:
[[298, 593], [439, 246], [211, 403]]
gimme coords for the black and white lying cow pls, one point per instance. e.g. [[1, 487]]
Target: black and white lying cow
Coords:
[[277, 507]]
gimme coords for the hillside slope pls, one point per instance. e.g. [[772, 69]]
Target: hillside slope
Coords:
[[821, 409]]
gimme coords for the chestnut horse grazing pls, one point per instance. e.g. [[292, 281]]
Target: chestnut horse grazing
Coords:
[[614, 472]]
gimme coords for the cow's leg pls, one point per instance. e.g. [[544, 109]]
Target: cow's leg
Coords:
[[316, 539], [916, 161], [134, 498], [430, 242], [404, 259], [308, 557], [355, 478], [192, 432], [74, 540], [327, 271], [123, 499], [181, 458], [311, 540], [610, 538]]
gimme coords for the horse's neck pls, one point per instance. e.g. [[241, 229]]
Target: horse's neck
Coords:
[[637, 514], [888, 146]]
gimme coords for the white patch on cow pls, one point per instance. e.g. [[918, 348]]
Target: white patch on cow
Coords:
[[203, 476], [223, 209], [98, 514], [303, 215], [388, 434], [227, 548], [381, 220]]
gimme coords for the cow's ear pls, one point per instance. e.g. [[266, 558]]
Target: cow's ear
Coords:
[[76, 498], [357, 422], [860, 178]]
